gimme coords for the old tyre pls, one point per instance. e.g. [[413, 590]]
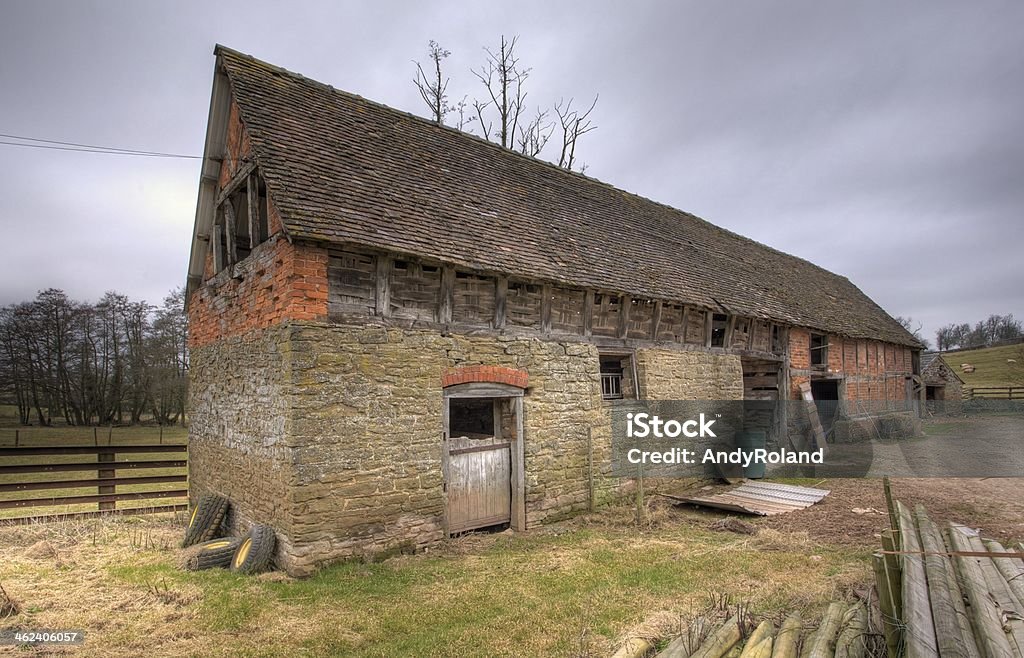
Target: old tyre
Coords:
[[255, 551], [207, 519], [213, 553]]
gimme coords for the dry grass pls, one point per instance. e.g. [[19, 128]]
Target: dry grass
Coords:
[[575, 589]]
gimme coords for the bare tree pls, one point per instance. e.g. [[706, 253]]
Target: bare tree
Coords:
[[503, 79], [434, 90], [574, 126], [534, 136], [914, 328]]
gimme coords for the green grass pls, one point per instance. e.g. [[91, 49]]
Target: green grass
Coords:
[[88, 436], [991, 367], [541, 594]]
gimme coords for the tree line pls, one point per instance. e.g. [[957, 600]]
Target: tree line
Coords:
[[79, 363], [994, 330]]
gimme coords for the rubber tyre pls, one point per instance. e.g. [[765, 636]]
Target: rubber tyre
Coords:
[[213, 554], [207, 520], [255, 551]]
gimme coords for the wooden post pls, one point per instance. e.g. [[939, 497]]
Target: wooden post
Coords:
[[229, 231], [218, 254], [640, 506], [656, 320], [161, 433], [253, 209], [625, 303], [17, 437], [95, 436], [383, 281], [106, 457], [588, 312], [447, 298], [545, 308], [500, 300], [590, 468]]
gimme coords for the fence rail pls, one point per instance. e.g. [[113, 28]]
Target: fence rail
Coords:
[[994, 393], [30, 470]]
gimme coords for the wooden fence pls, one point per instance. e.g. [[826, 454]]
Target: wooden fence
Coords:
[[38, 473], [994, 393]]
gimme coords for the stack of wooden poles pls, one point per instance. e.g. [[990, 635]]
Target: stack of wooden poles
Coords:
[[947, 592]]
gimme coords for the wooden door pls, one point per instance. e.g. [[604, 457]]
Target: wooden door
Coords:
[[479, 482]]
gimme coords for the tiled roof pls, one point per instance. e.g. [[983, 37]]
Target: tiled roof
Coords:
[[344, 169]]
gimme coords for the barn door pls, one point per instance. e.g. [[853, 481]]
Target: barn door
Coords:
[[479, 482], [482, 459]]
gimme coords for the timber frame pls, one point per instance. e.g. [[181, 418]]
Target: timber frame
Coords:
[[363, 282]]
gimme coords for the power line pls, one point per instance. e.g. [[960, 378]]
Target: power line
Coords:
[[56, 145]]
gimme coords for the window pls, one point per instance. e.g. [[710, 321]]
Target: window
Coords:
[[617, 377], [819, 351], [719, 323]]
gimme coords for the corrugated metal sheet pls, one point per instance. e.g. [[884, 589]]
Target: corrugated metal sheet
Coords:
[[761, 498]]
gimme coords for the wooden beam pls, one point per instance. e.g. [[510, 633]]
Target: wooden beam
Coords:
[[686, 319], [500, 297], [383, 282], [588, 312], [253, 209], [447, 297], [729, 329], [218, 254], [656, 320], [229, 231], [545, 308], [625, 303], [236, 181], [709, 319]]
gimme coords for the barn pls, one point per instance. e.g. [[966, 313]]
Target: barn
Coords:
[[943, 387], [400, 332]]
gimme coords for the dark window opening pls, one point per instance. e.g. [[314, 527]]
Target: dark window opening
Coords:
[[617, 377], [819, 351], [777, 346], [471, 417], [719, 324], [915, 363], [235, 240]]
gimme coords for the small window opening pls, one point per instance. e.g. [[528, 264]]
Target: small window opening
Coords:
[[719, 322], [617, 377], [471, 417], [819, 351]]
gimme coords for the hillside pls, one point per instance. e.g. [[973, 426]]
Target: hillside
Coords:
[[991, 367]]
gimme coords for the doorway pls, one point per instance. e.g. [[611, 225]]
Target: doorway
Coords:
[[482, 457]]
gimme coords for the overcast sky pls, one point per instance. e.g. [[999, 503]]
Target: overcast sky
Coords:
[[880, 140]]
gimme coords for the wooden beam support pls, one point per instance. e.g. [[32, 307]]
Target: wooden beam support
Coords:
[[447, 298], [729, 329], [241, 176], [656, 320], [545, 308], [625, 303], [229, 231], [218, 254], [709, 319], [500, 298], [383, 282], [588, 312], [686, 319], [253, 209]]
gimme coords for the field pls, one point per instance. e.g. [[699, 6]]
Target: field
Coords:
[[571, 589], [991, 368]]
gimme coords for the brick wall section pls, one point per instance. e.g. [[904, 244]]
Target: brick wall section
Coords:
[[279, 281], [492, 374], [872, 370]]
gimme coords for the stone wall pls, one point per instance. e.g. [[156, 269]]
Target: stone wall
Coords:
[[239, 411], [666, 374], [367, 427]]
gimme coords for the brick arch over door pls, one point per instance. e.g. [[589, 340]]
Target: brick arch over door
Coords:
[[489, 374]]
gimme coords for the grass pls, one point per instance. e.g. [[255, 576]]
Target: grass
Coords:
[[991, 367], [571, 590], [88, 436]]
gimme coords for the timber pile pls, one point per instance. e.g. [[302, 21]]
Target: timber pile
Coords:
[[946, 591], [842, 633]]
